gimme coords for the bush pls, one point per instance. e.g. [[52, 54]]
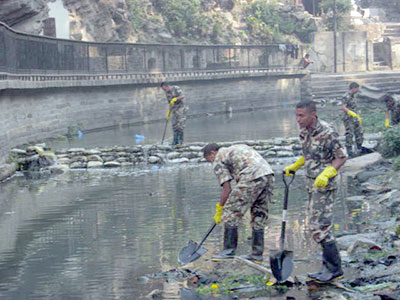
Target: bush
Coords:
[[396, 166], [265, 21], [343, 7], [391, 142]]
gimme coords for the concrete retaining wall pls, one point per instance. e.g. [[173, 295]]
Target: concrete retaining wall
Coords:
[[354, 54], [32, 114]]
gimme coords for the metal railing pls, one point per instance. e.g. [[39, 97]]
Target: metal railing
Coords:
[[22, 53]]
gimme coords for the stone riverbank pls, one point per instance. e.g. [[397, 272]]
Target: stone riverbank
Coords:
[[37, 157]]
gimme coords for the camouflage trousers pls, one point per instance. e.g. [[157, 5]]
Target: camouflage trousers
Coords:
[[254, 195], [320, 212], [353, 128], [178, 118]]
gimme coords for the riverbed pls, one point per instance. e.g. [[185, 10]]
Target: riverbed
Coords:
[[89, 234]]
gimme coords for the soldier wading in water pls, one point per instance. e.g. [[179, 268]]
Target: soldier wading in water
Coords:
[[352, 121], [177, 109], [322, 157], [252, 179]]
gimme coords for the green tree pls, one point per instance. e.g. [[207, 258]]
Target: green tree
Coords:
[[343, 7]]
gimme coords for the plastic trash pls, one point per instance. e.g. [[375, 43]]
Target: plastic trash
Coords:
[[80, 134], [154, 168]]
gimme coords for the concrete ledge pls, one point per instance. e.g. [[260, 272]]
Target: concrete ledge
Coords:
[[15, 81]]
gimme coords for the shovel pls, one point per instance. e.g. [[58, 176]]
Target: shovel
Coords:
[[165, 130], [192, 251], [281, 260]]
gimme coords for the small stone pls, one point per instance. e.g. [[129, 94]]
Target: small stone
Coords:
[[94, 164], [154, 159], [78, 165], [64, 160], [112, 164], [95, 158], [18, 151], [173, 155], [179, 160]]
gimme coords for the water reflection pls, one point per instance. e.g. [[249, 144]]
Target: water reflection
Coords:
[[88, 235], [260, 124]]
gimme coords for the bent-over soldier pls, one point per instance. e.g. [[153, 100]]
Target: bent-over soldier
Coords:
[[176, 109], [392, 108], [322, 157], [252, 189], [352, 120]]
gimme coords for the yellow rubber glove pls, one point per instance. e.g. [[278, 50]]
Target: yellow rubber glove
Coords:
[[354, 115], [294, 167], [387, 124], [168, 114], [172, 102], [322, 179], [218, 214]]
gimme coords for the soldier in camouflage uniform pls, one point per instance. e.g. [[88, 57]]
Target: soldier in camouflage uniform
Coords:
[[352, 120], [252, 179], [323, 156], [392, 108], [177, 109]]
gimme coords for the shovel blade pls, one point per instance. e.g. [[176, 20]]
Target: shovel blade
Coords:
[[190, 252], [281, 264]]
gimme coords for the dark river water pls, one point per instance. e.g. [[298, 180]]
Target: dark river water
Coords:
[[90, 234], [260, 124]]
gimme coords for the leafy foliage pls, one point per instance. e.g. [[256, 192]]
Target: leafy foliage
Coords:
[[391, 142], [266, 21], [343, 7], [184, 17]]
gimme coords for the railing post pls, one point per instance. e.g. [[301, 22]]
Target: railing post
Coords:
[[106, 56], [88, 57], [125, 60], [248, 58]]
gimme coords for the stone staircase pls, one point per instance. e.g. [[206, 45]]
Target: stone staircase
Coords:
[[392, 30], [332, 86]]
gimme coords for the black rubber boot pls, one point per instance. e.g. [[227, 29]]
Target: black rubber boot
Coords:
[[333, 262], [257, 246], [176, 138], [316, 274], [180, 137], [230, 244]]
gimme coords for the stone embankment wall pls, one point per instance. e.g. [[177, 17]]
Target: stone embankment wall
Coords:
[[110, 157], [273, 150], [36, 114]]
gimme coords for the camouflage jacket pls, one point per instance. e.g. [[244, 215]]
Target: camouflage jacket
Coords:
[[241, 163], [175, 91], [320, 147], [395, 112], [350, 102]]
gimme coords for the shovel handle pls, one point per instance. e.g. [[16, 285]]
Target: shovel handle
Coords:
[[285, 205], [206, 236], [165, 130]]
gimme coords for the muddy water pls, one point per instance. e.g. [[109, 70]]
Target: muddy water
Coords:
[[90, 234], [260, 124]]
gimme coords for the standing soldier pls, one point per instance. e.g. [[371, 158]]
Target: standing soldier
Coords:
[[392, 108], [352, 120], [253, 179], [322, 157], [177, 108]]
